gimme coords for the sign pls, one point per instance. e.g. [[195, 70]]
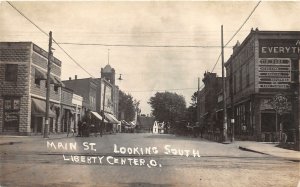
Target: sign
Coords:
[[280, 103], [279, 48], [274, 73]]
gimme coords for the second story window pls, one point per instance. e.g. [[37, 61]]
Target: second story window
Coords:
[[11, 72], [56, 88]]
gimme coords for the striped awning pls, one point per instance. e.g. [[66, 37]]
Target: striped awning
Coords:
[[38, 108], [39, 74]]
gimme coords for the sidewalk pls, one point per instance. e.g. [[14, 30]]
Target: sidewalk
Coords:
[[9, 139], [269, 149]]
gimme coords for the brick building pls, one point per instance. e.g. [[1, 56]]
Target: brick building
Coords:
[[77, 103], [99, 94], [208, 104], [67, 110], [87, 89], [260, 69], [23, 67]]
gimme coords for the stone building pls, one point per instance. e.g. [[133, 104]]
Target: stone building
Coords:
[[259, 71], [23, 67]]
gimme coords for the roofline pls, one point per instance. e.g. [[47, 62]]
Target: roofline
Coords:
[[258, 32]]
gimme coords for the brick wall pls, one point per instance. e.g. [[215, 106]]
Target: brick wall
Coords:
[[19, 54], [22, 54]]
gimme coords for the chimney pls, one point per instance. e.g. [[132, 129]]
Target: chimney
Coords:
[[70, 78], [75, 77]]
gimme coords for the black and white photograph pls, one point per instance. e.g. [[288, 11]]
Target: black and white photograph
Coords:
[[149, 93]]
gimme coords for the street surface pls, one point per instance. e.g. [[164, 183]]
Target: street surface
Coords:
[[140, 160]]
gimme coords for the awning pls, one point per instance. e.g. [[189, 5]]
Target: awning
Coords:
[[38, 108], [39, 75], [98, 116], [110, 118], [58, 82]]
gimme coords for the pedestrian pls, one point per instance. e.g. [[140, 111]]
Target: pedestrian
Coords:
[[79, 124]]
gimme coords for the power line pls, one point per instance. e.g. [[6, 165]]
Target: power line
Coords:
[[236, 33], [243, 23], [140, 45], [52, 38]]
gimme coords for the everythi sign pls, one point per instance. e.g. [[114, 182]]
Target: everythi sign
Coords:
[[280, 48]]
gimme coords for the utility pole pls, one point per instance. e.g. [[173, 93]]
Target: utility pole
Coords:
[[197, 103], [232, 103], [224, 91], [48, 87]]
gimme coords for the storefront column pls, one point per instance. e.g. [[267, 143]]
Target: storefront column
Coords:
[[43, 125], [35, 124], [257, 118]]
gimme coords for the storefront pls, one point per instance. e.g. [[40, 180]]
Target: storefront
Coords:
[[38, 112], [260, 70]]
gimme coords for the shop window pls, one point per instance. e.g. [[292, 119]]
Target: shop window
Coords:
[[12, 104], [11, 71]]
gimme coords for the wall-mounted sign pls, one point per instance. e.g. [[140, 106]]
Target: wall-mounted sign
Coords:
[[279, 48], [11, 114], [274, 73]]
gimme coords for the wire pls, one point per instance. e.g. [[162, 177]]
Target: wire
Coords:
[[243, 23], [144, 45], [236, 33], [52, 38]]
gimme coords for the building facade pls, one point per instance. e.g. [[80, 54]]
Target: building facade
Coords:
[[210, 116], [68, 111], [77, 103], [23, 67], [87, 89], [99, 94], [259, 76]]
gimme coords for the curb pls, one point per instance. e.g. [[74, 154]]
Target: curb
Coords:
[[18, 142], [251, 150], [10, 143]]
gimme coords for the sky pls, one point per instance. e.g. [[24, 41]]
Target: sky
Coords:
[[145, 70]]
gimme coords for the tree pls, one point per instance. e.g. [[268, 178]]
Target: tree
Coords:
[[191, 112], [126, 106], [168, 107], [194, 99]]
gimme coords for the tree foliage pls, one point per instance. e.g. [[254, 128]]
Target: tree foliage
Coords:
[[168, 107], [127, 106]]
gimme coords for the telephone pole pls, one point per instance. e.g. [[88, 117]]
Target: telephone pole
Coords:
[[197, 103], [224, 91], [48, 87]]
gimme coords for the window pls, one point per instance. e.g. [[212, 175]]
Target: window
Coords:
[[11, 71], [37, 82], [241, 78], [12, 104], [55, 88], [234, 84], [247, 75]]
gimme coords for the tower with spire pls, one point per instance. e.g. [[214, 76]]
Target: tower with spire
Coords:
[[108, 72]]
